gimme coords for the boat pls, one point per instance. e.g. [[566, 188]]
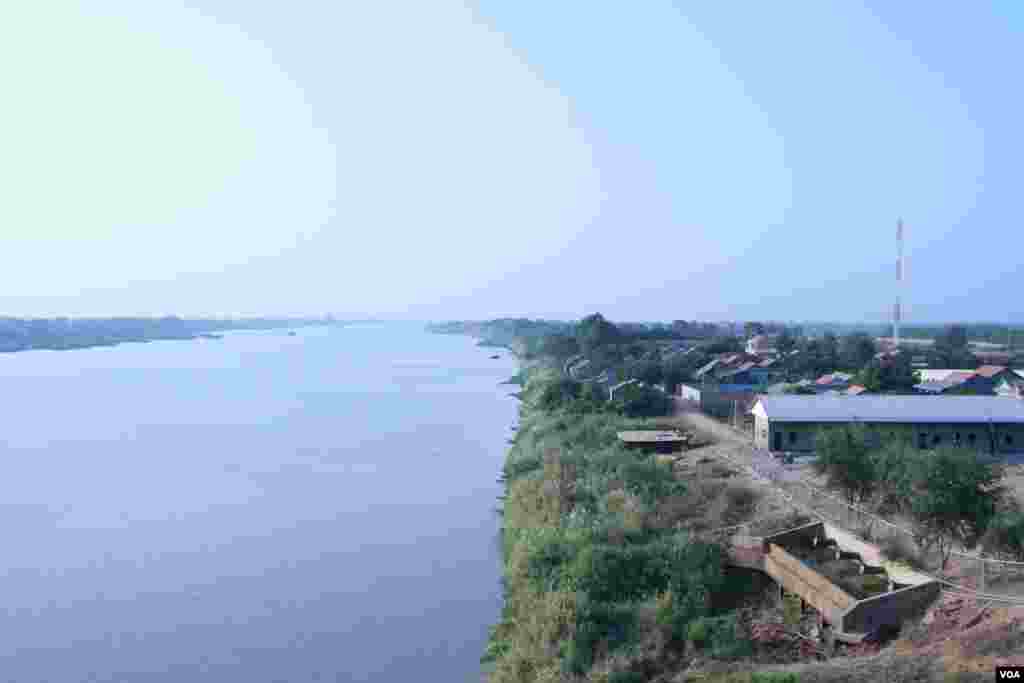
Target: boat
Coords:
[[495, 357], [291, 334]]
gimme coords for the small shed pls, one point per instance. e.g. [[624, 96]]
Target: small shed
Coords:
[[658, 441]]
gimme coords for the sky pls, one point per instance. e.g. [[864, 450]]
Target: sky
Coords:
[[651, 161]]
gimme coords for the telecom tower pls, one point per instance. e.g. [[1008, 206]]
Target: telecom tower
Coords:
[[897, 313]]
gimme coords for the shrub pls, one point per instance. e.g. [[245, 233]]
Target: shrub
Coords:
[[621, 573], [695, 573], [774, 677], [596, 621], [723, 639], [1005, 535], [650, 480], [697, 631], [626, 677]]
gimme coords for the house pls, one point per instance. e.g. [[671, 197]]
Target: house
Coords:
[[982, 381], [1007, 389], [1011, 385], [856, 390], [986, 423], [836, 381], [948, 382], [720, 400]]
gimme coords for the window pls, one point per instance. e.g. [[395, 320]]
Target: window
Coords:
[[1009, 439], [792, 437], [922, 441], [956, 439], [972, 438], [936, 440]]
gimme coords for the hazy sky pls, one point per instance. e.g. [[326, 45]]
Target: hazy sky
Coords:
[[433, 159]]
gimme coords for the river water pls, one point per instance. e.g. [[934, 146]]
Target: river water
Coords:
[[264, 507]]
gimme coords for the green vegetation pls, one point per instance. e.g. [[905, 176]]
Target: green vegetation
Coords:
[[586, 549], [952, 494]]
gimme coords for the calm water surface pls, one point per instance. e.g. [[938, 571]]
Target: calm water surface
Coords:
[[265, 507]]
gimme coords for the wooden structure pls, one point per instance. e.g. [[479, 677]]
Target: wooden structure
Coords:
[[658, 441]]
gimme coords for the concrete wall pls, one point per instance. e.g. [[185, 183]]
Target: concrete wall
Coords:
[[800, 534], [722, 403], [762, 432], [689, 393], [800, 436], [889, 608], [869, 554]]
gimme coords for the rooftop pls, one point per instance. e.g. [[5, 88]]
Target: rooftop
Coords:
[[651, 436], [881, 408]]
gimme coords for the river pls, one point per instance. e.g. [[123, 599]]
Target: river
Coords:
[[259, 508]]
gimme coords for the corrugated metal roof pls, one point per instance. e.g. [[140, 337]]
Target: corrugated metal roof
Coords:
[[937, 375], [881, 408]]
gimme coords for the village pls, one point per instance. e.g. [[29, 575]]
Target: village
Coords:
[[819, 462]]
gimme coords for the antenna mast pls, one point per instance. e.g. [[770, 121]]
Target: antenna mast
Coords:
[[897, 314]]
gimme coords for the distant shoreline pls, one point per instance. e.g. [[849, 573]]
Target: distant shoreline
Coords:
[[19, 335]]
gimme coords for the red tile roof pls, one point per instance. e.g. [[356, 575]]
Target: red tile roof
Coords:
[[990, 370], [856, 389]]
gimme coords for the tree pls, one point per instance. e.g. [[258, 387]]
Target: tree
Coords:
[[830, 350], [647, 372], [843, 456], [894, 374], [953, 338], [955, 496], [1005, 535], [951, 350], [636, 401], [894, 466], [674, 374], [752, 328], [724, 345], [786, 341], [857, 350], [594, 332], [559, 346]]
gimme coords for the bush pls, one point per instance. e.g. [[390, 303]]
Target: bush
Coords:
[[637, 401], [695, 573], [650, 480], [774, 677], [723, 639], [595, 622], [624, 573], [626, 677], [697, 631]]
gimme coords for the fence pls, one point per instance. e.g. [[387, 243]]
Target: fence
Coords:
[[999, 581]]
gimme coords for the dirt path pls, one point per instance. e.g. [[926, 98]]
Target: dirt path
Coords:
[[690, 415]]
